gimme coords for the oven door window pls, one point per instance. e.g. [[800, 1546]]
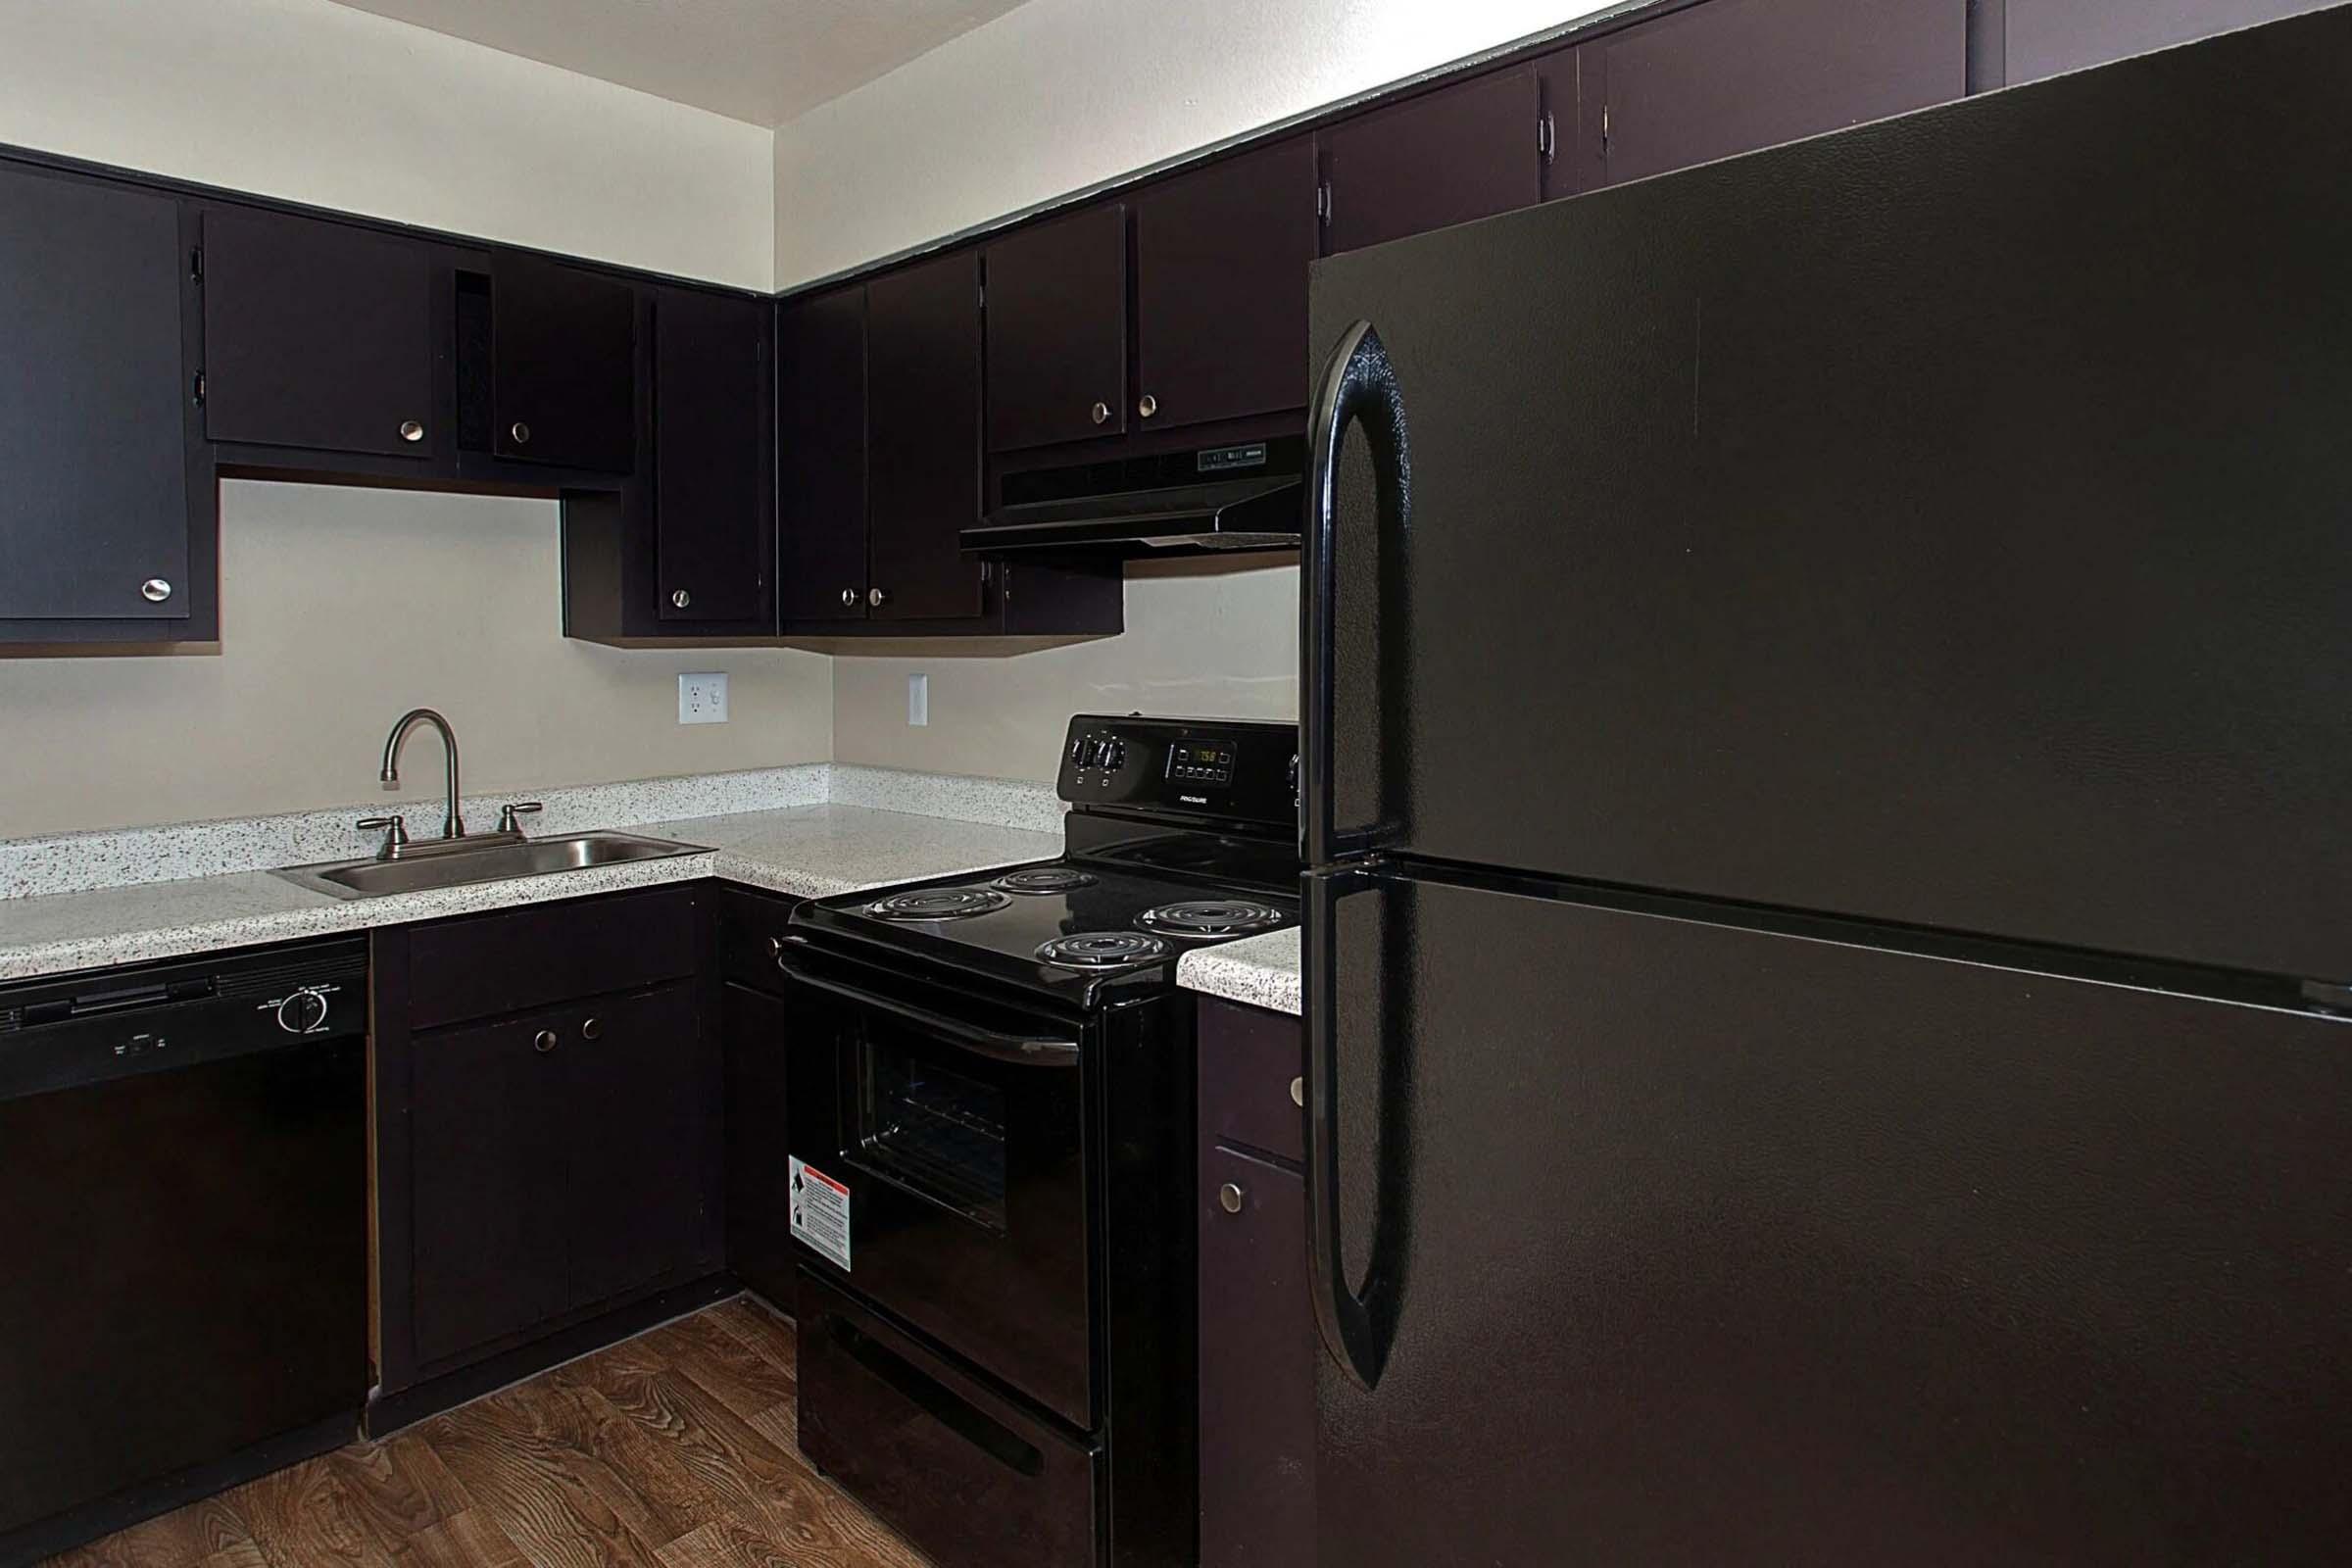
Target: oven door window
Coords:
[[932, 1131]]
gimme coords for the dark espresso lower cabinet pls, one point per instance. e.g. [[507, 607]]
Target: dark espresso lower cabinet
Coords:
[[1258, 1331], [558, 1159]]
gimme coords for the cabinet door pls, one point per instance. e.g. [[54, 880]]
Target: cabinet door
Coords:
[[821, 450], [754, 1034], [713, 530], [1732, 76], [1220, 287], [639, 1123], [491, 1208], [1057, 330], [2046, 36], [563, 365], [94, 390], [922, 401], [316, 334], [1448, 157], [1258, 1368]]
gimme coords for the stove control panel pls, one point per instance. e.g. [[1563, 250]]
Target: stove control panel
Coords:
[[1235, 769]]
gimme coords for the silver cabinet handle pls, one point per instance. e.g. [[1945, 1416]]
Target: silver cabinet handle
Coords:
[[155, 590], [681, 597], [1298, 1093], [1149, 406], [876, 598], [521, 433], [411, 430], [544, 1040], [1229, 1198], [593, 1029], [849, 597], [1101, 412]]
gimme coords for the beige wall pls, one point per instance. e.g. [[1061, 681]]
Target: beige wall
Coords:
[[323, 104], [1059, 95], [1216, 639], [340, 610]]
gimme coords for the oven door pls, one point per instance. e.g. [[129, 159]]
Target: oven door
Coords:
[[939, 1159]]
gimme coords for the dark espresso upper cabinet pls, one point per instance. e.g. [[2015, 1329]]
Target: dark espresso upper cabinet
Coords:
[[922, 399], [1463, 152], [104, 512], [1221, 258], [1057, 330], [316, 335], [564, 366], [2043, 37], [713, 502], [1732, 76], [821, 456]]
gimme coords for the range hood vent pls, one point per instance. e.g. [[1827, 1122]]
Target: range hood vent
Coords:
[[1212, 501]]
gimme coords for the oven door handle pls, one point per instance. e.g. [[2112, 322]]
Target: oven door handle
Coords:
[[1022, 1050]]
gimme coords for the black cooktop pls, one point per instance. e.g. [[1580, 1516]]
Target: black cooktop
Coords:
[[1181, 834]]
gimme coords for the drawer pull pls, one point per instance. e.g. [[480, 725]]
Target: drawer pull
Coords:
[[1298, 1093], [1229, 1198], [544, 1040]]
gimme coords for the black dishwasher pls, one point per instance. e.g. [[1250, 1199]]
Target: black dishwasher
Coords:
[[183, 1232]]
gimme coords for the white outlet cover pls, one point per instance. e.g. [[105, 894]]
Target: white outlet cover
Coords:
[[703, 698], [919, 700]]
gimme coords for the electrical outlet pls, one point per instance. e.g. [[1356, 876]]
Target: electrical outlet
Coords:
[[703, 698], [919, 700]]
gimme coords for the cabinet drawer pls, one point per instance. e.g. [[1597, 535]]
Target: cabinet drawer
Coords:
[[1253, 1067], [750, 936], [520, 959], [956, 1470]]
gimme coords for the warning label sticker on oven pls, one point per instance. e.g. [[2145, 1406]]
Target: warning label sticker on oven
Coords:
[[820, 1213]]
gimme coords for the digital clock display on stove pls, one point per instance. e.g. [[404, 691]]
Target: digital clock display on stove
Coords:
[[1201, 762]]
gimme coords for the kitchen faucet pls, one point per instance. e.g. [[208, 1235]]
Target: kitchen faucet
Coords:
[[453, 826]]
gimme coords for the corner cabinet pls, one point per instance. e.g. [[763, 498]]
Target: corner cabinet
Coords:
[[1259, 1348], [879, 398], [107, 518], [547, 1092]]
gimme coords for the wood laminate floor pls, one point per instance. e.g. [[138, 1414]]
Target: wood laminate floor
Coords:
[[675, 1450]]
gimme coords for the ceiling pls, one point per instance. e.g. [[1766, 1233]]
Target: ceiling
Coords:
[[764, 61]]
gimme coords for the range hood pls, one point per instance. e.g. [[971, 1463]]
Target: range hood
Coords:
[[1210, 501]]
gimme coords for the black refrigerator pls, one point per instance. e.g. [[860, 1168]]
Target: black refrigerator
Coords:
[[1828, 688]]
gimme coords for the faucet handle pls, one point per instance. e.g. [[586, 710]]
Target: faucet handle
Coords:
[[396, 833], [509, 814]]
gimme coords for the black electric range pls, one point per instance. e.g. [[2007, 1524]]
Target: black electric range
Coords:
[[990, 1082], [1182, 833]]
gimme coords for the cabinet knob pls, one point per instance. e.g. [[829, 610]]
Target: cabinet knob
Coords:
[[1298, 1093], [876, 598], [411, 430], [593, 1029], [775, 947], [849, 597], [1149, 406], [155, 590], [1229, 1198], [1101, 412], [544, 1040], [521, 433], [681, 597]]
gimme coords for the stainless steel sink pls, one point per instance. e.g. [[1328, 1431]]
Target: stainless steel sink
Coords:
[[499, 857]]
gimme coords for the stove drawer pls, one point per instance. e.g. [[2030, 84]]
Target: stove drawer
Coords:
[[968, 1478]]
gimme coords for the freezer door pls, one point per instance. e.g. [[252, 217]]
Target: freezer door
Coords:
[[1942, 521], [1696, 1244]]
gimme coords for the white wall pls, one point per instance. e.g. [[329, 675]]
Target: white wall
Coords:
[[1058, 95], [342, 609], [1215, 637], [318, 103]]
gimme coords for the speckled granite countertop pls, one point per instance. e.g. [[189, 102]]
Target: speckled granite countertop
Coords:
[[1262, 971], [809, 851]]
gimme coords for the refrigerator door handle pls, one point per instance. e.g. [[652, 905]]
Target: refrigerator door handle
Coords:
[[1358, 387], [1357, 1327]]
